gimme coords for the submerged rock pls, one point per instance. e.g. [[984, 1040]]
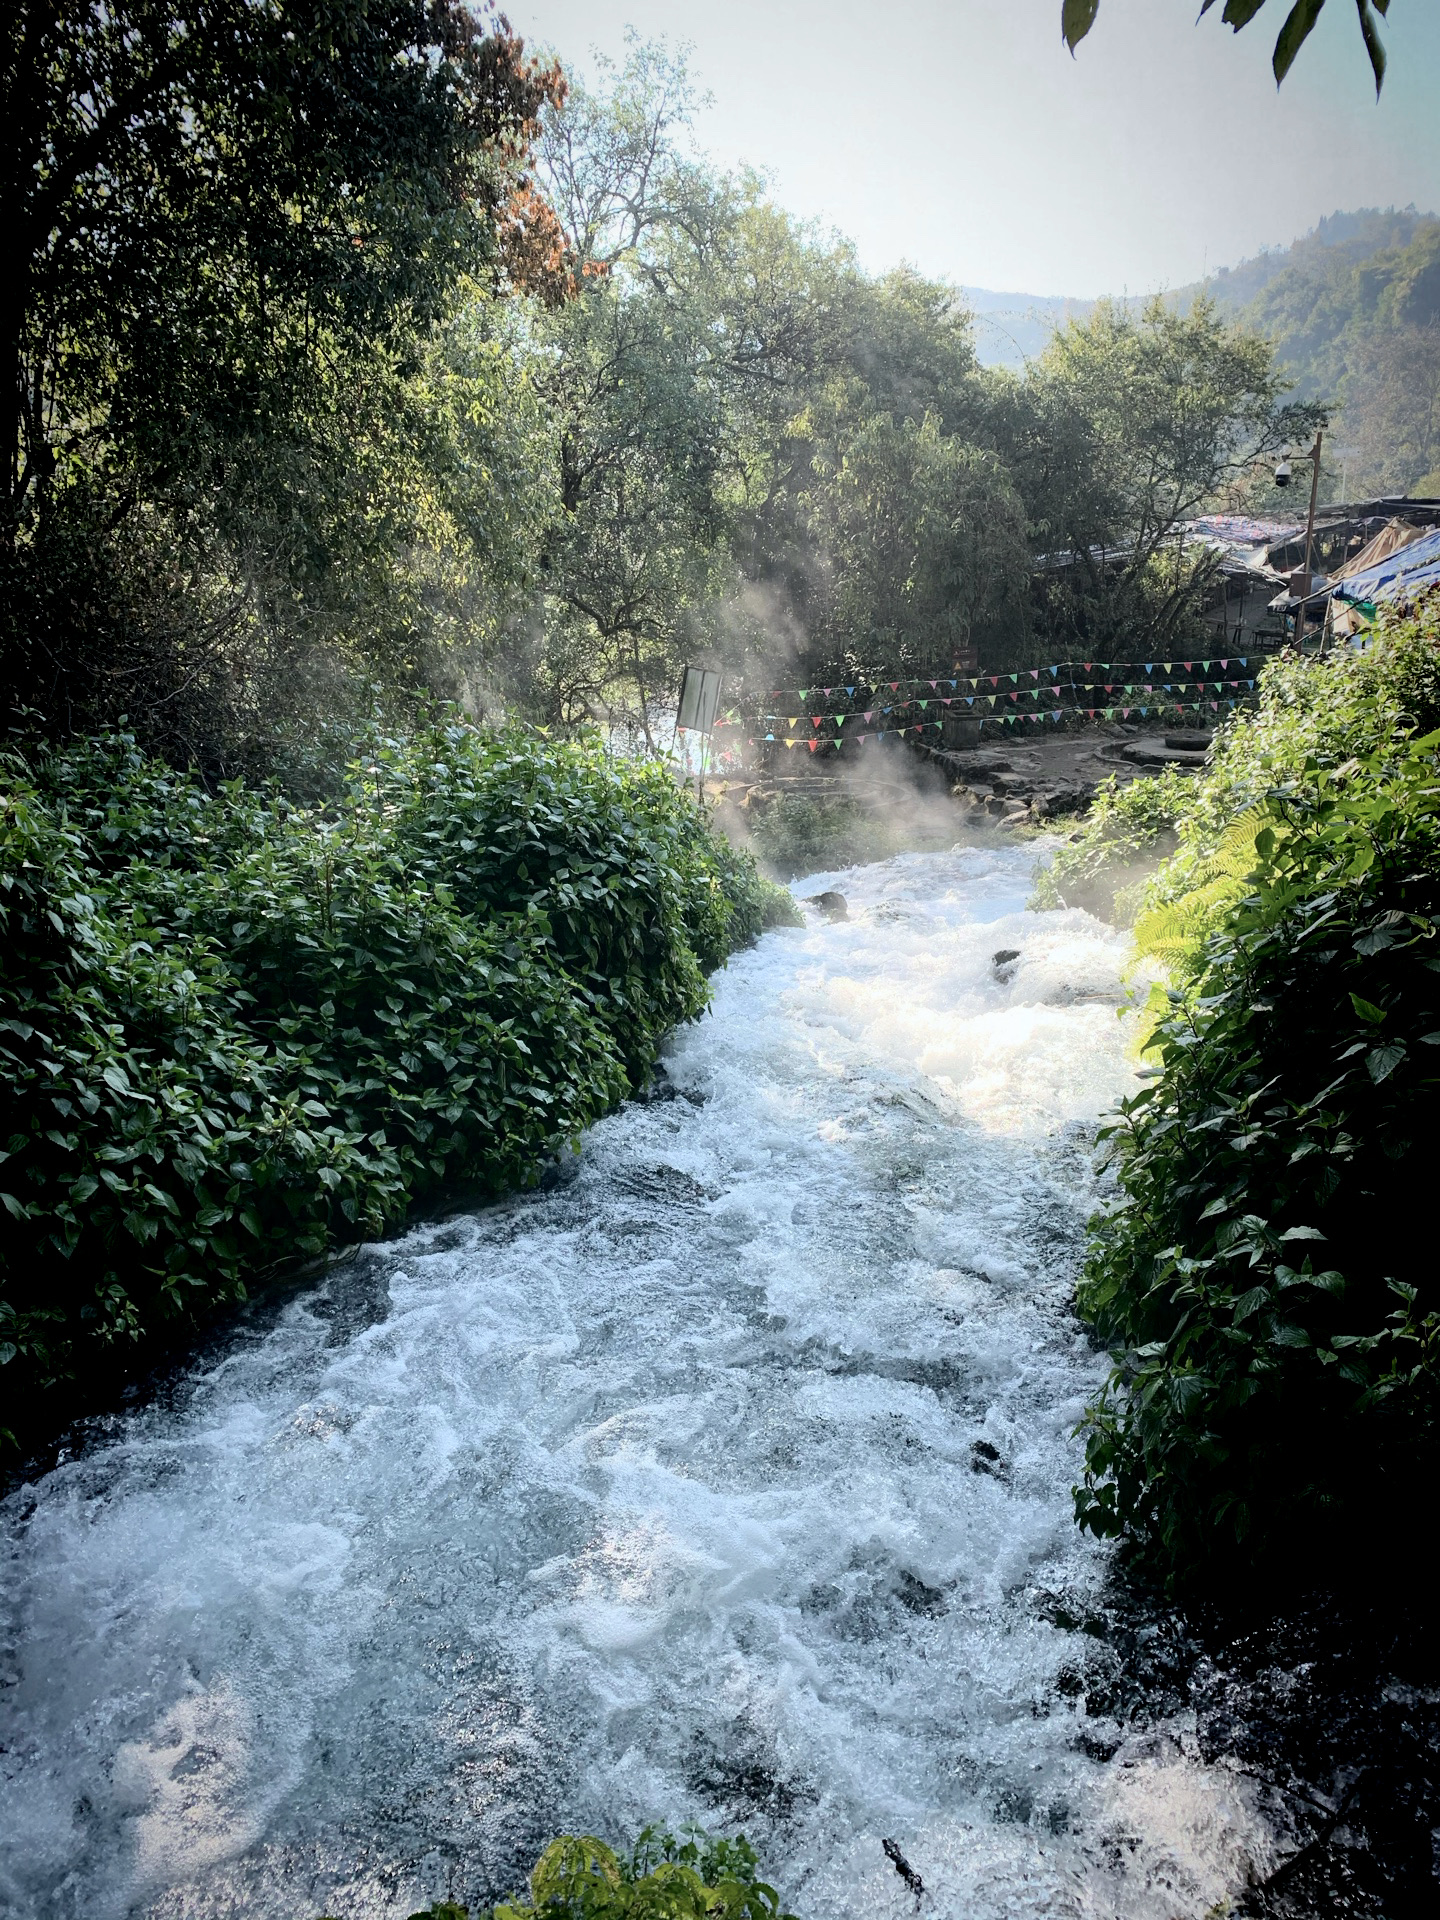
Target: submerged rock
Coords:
[[831, 904]]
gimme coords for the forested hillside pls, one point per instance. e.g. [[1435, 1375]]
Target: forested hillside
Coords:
[[1353, 310]]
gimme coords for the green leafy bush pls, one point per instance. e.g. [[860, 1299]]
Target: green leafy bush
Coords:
[[233, 1032], [1332, 709], [1267, 1281], [1336, 707], [1127, 829], [665, 1876], [796, 835]]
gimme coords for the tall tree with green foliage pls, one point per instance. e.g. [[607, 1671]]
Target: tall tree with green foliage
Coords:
[[1127, 427], [924, 541], [233, 227]]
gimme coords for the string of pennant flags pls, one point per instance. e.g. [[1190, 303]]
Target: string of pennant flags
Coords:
[[897, 716], [1053, 716], [1063, 673], [990, 701]]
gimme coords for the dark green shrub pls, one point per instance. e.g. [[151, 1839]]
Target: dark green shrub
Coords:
[[1268, 1283], [233, 1033], [605, 861], [796, 835]]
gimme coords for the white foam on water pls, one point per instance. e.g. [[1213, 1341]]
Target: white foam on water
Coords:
[[653, 1495]]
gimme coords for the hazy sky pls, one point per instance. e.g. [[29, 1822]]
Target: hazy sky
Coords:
[[961, 136]]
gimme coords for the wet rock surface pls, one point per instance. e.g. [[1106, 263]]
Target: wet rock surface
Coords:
[[1047, 780], [832, 904], [993, 788], [1326, 1710]]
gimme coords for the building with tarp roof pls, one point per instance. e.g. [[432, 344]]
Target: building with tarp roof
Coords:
[[1349, 542], [1395, 579]]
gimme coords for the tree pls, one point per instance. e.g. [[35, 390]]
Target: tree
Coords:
[[234, 226], [924, 543], [635, 430], [1126, 428], [633, 409], [1078, 16]]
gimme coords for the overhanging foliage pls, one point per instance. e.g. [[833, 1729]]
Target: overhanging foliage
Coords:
[[233, 1032]]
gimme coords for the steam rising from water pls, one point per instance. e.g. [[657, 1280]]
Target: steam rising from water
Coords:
[[728, 1480]]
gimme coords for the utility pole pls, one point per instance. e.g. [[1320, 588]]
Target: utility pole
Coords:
[[1314, 457]]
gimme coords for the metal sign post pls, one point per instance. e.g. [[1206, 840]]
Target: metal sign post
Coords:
[[699, 701]]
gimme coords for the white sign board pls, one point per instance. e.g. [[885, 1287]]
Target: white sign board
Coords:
[[699, 697]]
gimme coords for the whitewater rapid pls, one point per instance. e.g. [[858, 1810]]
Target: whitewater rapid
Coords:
[[727, 1479]]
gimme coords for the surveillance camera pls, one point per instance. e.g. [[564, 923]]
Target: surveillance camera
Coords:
[[1282, 474]]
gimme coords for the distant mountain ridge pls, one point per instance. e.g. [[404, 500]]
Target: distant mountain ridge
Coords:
[[1353, 308], [1011, 327]]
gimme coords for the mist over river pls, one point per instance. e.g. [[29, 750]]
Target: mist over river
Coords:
[[727, 1479]]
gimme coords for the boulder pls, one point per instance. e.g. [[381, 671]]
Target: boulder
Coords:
[[833, 905]]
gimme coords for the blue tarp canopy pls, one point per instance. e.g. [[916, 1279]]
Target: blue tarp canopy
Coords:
[[1407, 572]]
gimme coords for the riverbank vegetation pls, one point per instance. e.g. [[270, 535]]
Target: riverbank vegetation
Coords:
[[664, 1876], [235, 1031], [795, 835], [1264, 1277]]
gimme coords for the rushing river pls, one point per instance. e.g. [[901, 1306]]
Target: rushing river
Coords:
[[726, 1479]]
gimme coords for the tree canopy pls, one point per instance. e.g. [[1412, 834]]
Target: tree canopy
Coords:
[[233, 228], [360, 360]]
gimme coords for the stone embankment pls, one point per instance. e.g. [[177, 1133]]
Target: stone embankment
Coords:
[[1043, 780], [996, 784]]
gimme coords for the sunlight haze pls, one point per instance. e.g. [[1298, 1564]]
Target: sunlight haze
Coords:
[[963, 138]]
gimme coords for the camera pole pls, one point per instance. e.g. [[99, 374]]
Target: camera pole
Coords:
[[1314, 457]]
